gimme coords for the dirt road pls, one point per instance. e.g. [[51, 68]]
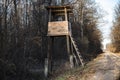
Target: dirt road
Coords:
[[105, 67]]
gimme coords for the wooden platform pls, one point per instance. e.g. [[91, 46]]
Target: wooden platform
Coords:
[[58, 28]]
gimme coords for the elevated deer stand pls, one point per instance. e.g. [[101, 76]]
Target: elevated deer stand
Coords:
[[58, 25]]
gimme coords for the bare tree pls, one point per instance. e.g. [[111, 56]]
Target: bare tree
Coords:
[[116, 29], [86, 13]]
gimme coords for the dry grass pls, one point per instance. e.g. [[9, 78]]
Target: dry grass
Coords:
[[105, 67]]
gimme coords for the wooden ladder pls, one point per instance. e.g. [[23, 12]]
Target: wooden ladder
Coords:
[[77, 50]]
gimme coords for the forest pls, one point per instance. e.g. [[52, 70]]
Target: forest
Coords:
[[24, 41]]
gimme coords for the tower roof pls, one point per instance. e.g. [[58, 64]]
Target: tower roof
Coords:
[[59, 10]]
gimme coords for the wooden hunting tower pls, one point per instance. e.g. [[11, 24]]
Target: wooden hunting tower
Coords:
[[59, 25]]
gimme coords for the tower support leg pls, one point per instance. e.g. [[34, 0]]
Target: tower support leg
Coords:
[[46, 68], [69, 52], [48, 60]]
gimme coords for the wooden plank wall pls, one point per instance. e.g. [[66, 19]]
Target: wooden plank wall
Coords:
[[58, 28]]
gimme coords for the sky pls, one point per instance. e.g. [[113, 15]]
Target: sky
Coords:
[[108, 6]]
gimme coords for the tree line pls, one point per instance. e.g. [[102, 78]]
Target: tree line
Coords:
[[114, 46]]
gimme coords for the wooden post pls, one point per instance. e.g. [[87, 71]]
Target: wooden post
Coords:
[[49, 15], [48, 60], [71, 61], [52, 52], [47, 65], [69, 52], [68, 43], [46, 68], [66, 19], [50, 56], [67, 37]]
